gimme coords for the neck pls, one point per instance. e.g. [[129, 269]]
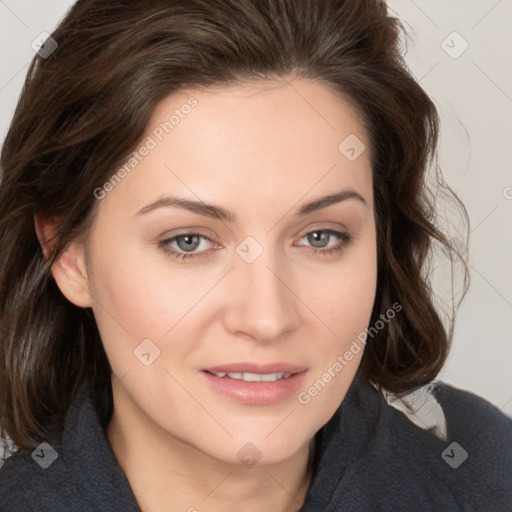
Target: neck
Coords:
[[169, 474]]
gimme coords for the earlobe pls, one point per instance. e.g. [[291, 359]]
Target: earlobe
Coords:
[[69, 270]]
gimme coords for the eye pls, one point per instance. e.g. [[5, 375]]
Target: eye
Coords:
[[185, 242], [318, 238], [185, 245]]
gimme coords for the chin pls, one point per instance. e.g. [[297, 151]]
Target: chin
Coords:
[[258, 449]]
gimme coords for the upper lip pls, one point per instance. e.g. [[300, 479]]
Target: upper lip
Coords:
[[260, 369]]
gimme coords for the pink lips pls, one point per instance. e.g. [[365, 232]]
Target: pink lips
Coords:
[[256, 393]]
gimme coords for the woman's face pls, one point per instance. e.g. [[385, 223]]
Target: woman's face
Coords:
[[217, 324]]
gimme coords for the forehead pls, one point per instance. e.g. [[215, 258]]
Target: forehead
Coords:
[[284, 138], [291, 108]]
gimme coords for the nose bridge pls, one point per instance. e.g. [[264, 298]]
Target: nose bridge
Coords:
[[264, 306]]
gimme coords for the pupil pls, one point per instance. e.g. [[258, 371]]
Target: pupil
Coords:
[[192, 242], [317, 237]]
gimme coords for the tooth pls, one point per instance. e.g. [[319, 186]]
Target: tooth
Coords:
[[252, 377]]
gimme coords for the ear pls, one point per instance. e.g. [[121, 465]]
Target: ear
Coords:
[[69, 270]]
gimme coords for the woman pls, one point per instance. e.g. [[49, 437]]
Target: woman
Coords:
[[215, 226]]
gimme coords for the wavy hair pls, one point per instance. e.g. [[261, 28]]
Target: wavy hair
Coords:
[[86, 106]]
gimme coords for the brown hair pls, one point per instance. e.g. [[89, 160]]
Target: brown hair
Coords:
[[86, 106]]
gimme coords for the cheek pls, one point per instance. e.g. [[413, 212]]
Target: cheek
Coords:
[[346, 309], [348, 297], [140, 297], [135, 302], [345, 306], [345, 293], [140, 287]]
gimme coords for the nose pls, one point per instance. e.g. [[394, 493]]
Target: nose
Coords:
[[262, 305]]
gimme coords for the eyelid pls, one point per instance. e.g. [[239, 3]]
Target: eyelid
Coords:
[[319, 226], [187, 231]]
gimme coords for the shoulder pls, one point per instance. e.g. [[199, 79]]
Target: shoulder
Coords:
[[468, 412], [484, 430], [463, 440], [447, 410], [13, 480], [74, 469], [42, 477], [31, 479]]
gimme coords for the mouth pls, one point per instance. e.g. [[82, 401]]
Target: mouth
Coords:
[[253, 377], [254, 384]]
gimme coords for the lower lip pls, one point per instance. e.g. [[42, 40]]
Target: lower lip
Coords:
[[256, 393]]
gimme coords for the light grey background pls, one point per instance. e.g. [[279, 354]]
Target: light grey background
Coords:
[[473, 93]]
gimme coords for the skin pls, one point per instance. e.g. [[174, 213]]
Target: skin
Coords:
[[261, 151]]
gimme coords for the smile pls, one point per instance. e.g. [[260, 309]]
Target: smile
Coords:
[[254, 377], [255, 384]]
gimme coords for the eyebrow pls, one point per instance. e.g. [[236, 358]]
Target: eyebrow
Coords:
[[220, 213]]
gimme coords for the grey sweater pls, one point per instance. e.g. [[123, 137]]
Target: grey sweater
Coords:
[[370, 457]]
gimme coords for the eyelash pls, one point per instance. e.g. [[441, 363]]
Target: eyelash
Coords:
[[345, 238]]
